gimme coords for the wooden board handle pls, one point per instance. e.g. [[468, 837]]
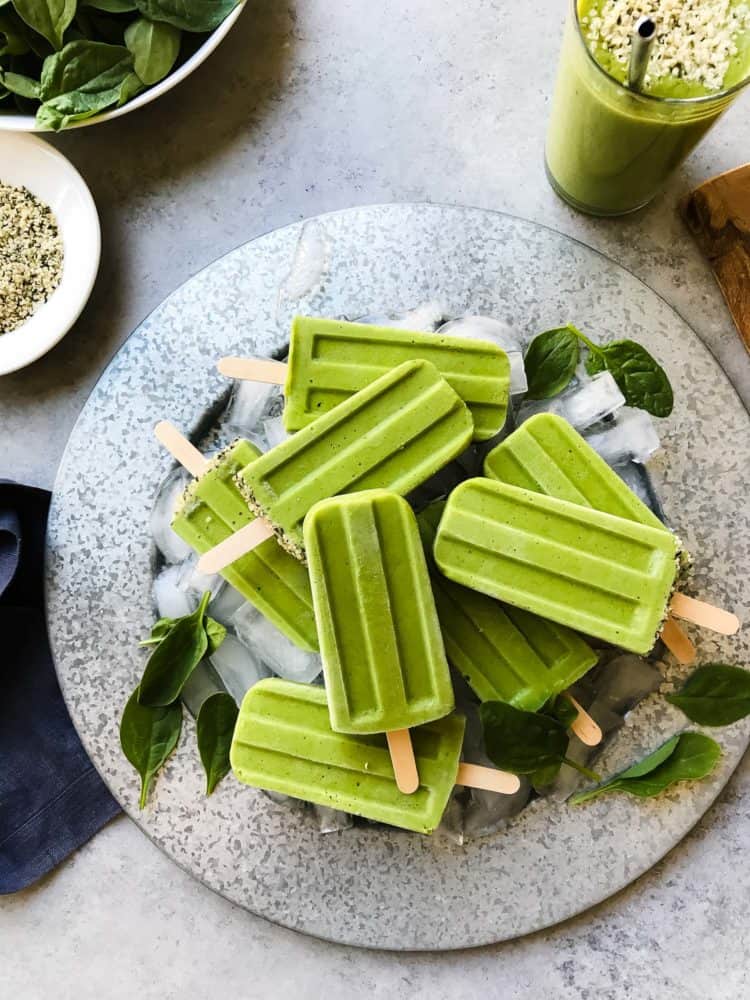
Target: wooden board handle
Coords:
[[253, 370], [584, 727], [402, 758], [488, 778], [236, 546], [180, 448], [678, 642], [718, 215], [705, 615]]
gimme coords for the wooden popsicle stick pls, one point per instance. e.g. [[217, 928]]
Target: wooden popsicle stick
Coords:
[[488, 778], [704, 614], [253, 370], [584, 727], [402, 758], [180, 448], [237, 545], [678, 642]]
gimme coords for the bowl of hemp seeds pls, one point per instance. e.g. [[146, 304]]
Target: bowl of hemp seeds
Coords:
[[49, 248]]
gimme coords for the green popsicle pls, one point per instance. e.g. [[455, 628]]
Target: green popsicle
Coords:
[[393, 434], [504, 653], [598, 574], [330, 359], [283, 742], [383, 655], [546, 454], [273, 581]]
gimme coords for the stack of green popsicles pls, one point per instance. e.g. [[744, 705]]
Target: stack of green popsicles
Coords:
[[596, 573], [503, 652], [284, 742], [273, 581], [393, 434], [330, 359]]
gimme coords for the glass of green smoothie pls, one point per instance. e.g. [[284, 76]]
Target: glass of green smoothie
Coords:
[[611, 148]]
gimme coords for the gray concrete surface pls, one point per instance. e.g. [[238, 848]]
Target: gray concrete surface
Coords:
[[306, 108]]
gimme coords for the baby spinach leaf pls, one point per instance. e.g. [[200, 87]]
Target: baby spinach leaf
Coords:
[[175, 658], [544, 776], [651, 761], [14, 39], [106, 28], [715, 695], [550, 362], [82, 80], [131, 85], [155, 46], [190, 15], [158, 631], [148, 736], [49, 18], [562, 709], [641, 378], [24, 86], [524, 742], [111, 6], [215, 634], [215, 728], [683, 758]]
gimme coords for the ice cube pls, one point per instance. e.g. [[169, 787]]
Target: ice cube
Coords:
[[167, 500], [582, 405], [224, 602], [247, 405], [237, 668], [593, 400], [283, 800], [487, 812], [309, 263], [621, 682], [502, 334], [424, 318], [630, 437], [452, 822], [201, 684], [332, 820], [484, 328], [273, 648], [637, 478], [172, 601], [274, 431], [518, 381], [194, 583]]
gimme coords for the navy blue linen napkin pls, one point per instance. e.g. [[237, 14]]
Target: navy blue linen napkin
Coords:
[[51, 798]]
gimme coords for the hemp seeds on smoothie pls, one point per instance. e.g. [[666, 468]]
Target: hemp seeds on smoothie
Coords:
[[31, 255]]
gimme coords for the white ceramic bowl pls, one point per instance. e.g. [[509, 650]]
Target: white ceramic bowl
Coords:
[[26, 161], [10, 122]]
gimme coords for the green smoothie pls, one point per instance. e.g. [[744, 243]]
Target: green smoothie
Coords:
[[610, 150]]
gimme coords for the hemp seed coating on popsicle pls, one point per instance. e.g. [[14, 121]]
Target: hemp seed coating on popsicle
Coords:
[[31, 255]]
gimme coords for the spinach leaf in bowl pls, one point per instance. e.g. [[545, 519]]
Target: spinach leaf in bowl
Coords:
[[111, 6], [49, 18], [190, 15], [155, 46], [82, 80], [69, 60]]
